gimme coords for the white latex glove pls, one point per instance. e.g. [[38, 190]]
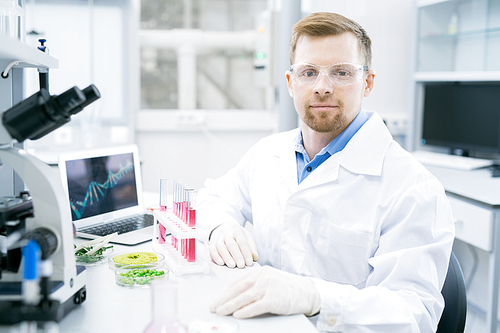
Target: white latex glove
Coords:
[[232, 245], [269, 290]]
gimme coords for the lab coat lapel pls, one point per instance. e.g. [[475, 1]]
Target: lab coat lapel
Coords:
[[288, 167], [328, 171], [363, 154]]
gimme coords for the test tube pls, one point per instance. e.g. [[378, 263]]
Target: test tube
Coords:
[[162, 231], [183, 205], [174, 209], [191, 222], [191, 207], [183, 218], [164, 184], [174, 205], [182, 212]]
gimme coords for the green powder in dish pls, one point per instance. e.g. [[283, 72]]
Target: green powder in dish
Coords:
[[135, 258]]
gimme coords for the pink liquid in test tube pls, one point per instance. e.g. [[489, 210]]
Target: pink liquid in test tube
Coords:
[[161, 233], [191, 257], [191, 218], [192, 242], [164, 183], [184, 248], [191, 222]]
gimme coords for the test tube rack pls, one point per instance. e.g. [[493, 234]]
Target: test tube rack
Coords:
[[177, 264]]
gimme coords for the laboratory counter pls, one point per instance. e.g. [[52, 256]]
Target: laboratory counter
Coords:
[[113, 308]]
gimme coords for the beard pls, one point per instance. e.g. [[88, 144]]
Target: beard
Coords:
[[323, 122]]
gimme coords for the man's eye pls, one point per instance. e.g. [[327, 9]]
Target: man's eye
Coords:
[[341, 73], [309, 73]]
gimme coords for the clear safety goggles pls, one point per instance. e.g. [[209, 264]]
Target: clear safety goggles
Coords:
[[341, 74]]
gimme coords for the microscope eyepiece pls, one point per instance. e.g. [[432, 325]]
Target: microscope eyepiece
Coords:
[[42, 113], [69, 100]]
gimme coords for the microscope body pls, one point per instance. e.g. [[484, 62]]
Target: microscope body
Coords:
[[51, 210], [47, 216]]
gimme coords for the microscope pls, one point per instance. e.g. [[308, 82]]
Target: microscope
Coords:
[[38, 218]]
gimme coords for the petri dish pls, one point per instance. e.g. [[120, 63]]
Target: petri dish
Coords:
[[94, 260], [140, 276], [135, 258]]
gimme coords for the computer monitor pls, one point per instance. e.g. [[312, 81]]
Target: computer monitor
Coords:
[[462, 116]]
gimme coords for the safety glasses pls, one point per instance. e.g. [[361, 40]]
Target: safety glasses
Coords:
[[341, 74]]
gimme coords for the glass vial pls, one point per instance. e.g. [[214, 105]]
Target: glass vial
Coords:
[[164, 308]]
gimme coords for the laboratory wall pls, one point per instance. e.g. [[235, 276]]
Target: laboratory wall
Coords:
[[91, 41], [199, 154], [388, 23], [98, 42]]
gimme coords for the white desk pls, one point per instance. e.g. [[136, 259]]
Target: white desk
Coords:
[[475, 199], [111, 308]]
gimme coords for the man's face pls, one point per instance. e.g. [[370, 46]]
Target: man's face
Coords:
[[325, 106]]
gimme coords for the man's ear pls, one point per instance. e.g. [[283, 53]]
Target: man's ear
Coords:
[[369, 83]]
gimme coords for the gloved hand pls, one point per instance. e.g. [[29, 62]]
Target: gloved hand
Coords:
[[232, 245], [269, 290]]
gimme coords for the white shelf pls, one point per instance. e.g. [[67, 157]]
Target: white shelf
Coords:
[[457, 76], [13, 49]]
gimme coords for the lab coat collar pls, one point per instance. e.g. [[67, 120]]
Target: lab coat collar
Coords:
[[363, 154]]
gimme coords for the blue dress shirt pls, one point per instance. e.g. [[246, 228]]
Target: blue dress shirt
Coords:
[[306, 166]]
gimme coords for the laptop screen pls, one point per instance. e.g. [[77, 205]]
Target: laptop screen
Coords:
[[99, 185]]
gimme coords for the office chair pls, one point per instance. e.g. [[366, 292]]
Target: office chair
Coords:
[[455, 300]]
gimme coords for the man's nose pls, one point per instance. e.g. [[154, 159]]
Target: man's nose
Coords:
[[323, 85]]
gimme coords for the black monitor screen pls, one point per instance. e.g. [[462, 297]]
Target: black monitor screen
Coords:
[[463, 115], [101, 185]]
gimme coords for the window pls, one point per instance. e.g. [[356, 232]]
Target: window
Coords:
[[200, 54]]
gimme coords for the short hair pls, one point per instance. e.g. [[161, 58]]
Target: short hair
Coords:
[[325, 24]]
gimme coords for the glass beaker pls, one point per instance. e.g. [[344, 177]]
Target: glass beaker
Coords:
[[164, 308]]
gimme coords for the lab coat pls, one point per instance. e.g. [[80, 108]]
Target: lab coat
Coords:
[[371, 226]]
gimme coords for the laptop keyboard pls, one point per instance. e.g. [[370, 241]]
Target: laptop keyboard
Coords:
[[121, 226]]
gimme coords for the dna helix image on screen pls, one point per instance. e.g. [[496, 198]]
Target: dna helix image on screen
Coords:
[[101, 185]]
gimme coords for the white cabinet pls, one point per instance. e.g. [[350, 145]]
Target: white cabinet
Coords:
[[458, 35], [453, 40], [475, 202], [473, 224]]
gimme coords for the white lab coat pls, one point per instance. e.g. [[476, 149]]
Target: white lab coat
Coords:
[[370, 225]]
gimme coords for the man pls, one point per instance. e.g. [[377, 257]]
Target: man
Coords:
[[357, 233]]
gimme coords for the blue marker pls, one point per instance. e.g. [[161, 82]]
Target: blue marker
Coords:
[[31, 286]]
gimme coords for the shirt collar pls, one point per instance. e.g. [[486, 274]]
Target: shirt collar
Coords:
[[339, 142]]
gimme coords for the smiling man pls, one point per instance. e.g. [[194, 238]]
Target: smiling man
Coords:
[[350, 229]]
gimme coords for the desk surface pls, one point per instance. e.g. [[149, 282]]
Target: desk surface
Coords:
[[476, 184], [111, 308]]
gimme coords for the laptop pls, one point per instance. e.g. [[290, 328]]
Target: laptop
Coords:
[[104, 190]]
